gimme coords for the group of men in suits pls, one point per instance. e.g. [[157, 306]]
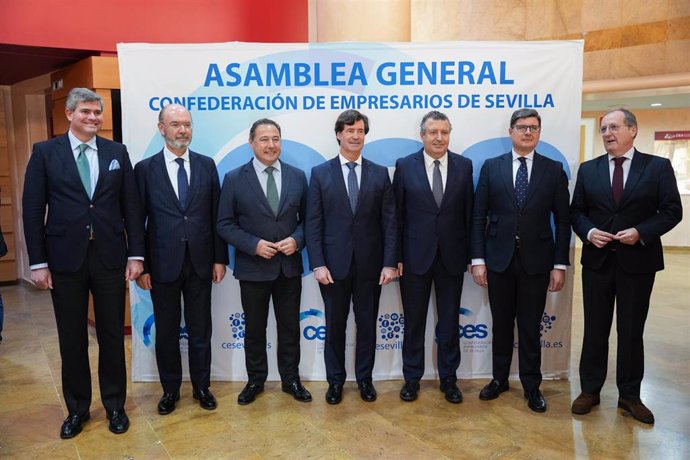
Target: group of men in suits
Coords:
[[167, 223]]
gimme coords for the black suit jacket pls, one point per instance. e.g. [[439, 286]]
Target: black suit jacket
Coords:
[[334, 234], [170, 228], [498, 220], [61, 239], [245, 217], [650, 203], [425, 228]]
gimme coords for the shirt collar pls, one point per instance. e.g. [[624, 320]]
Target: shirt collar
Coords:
[[259, 167], [529, 156], [75, 142], [344, 161], [429, 160], [170, 157], [629, 154]]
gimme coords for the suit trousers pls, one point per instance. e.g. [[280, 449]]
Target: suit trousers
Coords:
[[70, 296], [364, 294], [287, 294], [515, 294], [631, 293], [415, 291], [167, 310]]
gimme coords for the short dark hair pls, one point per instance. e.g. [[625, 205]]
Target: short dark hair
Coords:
[[350, 117], [434, 115], [628, 117], [259, 122], [524, 113], [77, 95]]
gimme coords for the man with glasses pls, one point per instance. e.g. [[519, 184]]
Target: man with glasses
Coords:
[[434, 191], [179, 191], [515, 252], [623, 202]]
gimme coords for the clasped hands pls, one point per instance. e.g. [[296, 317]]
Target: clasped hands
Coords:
[[600, 238]]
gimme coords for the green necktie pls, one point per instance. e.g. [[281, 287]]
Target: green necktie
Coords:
[[272, 190], [84, 168]]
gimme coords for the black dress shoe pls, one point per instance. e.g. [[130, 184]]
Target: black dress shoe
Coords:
[[493, 390], [409, 390], [367, 391], [71, 426], [248, 394], [535, 400], [119, 422], [206, 399], [297, 390], [335, 393], [450, 388], [167, 402]]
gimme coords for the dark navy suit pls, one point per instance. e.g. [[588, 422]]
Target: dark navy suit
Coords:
[[433, 246], [80, 265], [354, 247], [181, 248], [519, 273], [621, 273], [244, 218]]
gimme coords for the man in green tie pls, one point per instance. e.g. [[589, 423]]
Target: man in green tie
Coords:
[[261, 213], [90, 242]]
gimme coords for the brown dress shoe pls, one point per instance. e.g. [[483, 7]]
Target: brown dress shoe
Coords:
[[583, 404], [638, 410]]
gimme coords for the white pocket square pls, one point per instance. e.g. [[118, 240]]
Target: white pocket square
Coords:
[[114, 165]]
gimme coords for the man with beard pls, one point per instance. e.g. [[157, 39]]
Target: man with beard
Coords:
[[179, 192]]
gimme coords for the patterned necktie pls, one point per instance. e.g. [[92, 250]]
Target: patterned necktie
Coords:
[[521, 182], [272, 190], [84, 168], [352, 186], [617, 182], [437, 183], [182, 182]]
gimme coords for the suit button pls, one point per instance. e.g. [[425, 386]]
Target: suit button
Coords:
[[185, 217], [90, 206]]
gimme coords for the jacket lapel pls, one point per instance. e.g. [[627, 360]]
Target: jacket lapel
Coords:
[[67, 159], [249, 174], [604, 179], [339, 182], [537, 173], [285, 180], [420, 173], [637, 167], [506, 172]]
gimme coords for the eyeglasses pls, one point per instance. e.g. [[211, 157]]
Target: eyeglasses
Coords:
[[522, 129], [613, 128]]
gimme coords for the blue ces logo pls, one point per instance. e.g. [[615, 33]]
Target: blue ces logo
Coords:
[[391, 326], [313, 332], [470, 330]]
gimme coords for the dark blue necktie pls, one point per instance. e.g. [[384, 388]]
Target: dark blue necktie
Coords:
[[182, 182], [352, 186], [521, 182]]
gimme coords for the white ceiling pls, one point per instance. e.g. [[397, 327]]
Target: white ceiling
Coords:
[[670, 98]]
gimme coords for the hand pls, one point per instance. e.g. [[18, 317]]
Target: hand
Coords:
[[600, 238], [400, 268], [266, 249], [479, 275], [218, 273], [134, 269], [628, 236], [288, 246], [42, 278], [144, 281], [323, 275], [388, 274], [557, 280]]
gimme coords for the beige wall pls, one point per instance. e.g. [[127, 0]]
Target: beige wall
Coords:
[[623, 38]]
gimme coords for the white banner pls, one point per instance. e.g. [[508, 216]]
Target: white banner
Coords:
[[304, 87]]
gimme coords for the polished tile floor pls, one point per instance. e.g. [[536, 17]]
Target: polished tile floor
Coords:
[[275, 426]]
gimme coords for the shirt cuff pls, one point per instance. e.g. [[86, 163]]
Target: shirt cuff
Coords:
[[478, 262], [39, 266], [560, 267], [136, 258], [589, 234]]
